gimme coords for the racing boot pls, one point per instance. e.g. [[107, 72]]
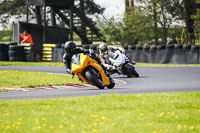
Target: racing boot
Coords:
[[80, 79], [105, 70]]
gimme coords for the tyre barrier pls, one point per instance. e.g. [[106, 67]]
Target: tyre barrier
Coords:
[[91, 46], [168, 54], [131, 47], [58, 45], [95, 48], [86, 46], [125, 47], [29, 53], [4, 52], [146, 50], [57, 54], [47, 52], [17, 53], [13, 43]]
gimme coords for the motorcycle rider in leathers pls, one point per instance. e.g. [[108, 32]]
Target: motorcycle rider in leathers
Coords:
[[70, 50], [106, 52]]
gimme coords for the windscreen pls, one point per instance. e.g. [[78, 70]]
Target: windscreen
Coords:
[[76, 59]]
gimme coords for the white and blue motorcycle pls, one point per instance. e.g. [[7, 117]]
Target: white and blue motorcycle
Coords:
[[121, 65]]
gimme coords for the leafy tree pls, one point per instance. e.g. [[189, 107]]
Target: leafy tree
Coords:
[[92, 8], [16, 8], [137, 27], [6, 35], [190, 10], [196, 18], [11, 8], [152, 20], [112, 31]]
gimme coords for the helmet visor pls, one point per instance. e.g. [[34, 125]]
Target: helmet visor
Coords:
[[72, 49], [103, 49]]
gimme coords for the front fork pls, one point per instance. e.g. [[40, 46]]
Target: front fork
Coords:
[[133, 62]]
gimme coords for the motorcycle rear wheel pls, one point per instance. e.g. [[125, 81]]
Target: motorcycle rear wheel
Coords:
[[93, 79]]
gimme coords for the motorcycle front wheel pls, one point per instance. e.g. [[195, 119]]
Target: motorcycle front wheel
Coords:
[[131, 72], [112, 83], [91, 77]]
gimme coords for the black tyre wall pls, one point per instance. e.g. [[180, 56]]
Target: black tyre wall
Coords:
[[86, 46], [57, 54], [4, 52], [16, 53]]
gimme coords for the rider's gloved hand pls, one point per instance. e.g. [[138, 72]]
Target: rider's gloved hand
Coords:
[[93, 55], [68, 71], [91, 51]]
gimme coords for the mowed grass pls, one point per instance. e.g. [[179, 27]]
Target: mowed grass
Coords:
[[109, 113], [9, 63], [27, 79], [172, 65]]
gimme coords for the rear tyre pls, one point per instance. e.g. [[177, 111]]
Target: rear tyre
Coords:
[[112, 84], [93, 79]]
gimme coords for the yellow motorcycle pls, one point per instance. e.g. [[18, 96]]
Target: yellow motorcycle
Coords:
[[89, 70]]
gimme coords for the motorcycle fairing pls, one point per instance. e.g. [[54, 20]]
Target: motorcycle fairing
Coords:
[[80, 62], [121, 59]]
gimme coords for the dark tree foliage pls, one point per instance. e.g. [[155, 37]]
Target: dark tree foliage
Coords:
[[9, 8], [184, 10], [189, 11], [92, 8], [176, 8]]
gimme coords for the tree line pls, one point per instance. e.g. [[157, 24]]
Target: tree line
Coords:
[[155, 22], [144, 22], [16, 10]]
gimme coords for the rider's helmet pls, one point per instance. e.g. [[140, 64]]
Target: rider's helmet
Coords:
[[70, 46], [103, 47]]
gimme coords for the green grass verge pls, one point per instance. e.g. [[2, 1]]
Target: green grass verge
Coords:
[[24, 79], [152, 64], [7, 63], [7, 90], [110, 113]]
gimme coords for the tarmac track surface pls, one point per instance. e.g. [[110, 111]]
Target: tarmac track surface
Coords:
[[152, 80]]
